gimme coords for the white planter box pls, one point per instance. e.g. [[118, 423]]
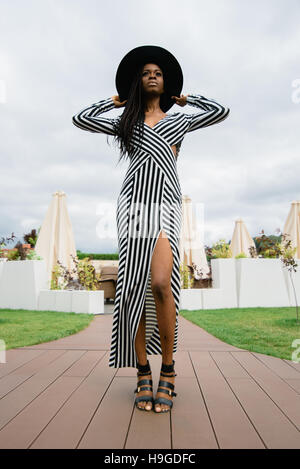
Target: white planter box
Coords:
[[216, 298], [261, 282], [190, 298], [86, 301], [76, 301], [245, 283], [63, 300], [55, 300], [21, 282], [2, 261], [202, 298], [47, 300], [224, 282], [222, 295]]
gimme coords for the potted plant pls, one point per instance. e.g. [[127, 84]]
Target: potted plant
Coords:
[[3, 243], [222, 294], [74, 290], [21, 282], [4, 252], [31, 237], [241, 255], [223, 291], [189, 298], [260, 279], [187, 280]]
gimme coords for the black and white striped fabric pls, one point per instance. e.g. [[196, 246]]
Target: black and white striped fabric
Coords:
[[150, 200]]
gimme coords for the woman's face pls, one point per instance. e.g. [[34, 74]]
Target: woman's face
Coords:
[[152, 79]]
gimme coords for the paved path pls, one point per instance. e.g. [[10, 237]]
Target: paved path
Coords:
[[62, 394]]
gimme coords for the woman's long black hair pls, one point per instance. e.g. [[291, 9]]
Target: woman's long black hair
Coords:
[[133, 114]]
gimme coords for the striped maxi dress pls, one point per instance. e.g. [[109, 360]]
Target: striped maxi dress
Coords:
[[149, 201]]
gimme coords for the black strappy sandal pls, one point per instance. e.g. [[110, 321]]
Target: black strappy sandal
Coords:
[[144, 370], [161, 400]]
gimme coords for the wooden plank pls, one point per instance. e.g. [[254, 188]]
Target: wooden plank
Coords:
[[181, 359], [295, 384], [276, 431], [191, 426], [65, 430], [228, 366], [296, 366], [36, 364], [109, 425], [282, 368], [231, 424], [153, 430], [190, 423], [22, 373], [278, 366], [17, 359], [22, 430], [275, 387], [10, 382], [227, 397], [96, 336], [148, 429], [86, 363], [16, 400]]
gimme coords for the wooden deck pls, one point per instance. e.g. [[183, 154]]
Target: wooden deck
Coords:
[[62, 394]]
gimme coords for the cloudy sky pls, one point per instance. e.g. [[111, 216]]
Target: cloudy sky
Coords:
[[59, 56]]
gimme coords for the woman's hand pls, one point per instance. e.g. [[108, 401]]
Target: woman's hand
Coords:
[[117, 102], [181, 101]]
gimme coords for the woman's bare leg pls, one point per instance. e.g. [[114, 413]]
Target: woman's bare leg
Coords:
[[161, 270], [140, 341], [140, 347]]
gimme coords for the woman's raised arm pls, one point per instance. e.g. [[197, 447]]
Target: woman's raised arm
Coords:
[[213, 112], [89, 118]]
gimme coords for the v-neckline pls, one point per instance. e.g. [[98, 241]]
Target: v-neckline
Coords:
[[167, 115]]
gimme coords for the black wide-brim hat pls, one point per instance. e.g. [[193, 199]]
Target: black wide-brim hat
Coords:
[[172, 73]]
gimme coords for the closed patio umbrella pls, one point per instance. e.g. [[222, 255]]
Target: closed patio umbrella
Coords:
[[241, 240], [292, 226], [56, 240], [191, 247]]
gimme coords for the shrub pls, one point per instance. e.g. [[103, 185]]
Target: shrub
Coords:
[[240, 255], [267, 246], [4, 242], [82, 277], [31, 238], [187, 281], [83, 255], [221, 249], [32, 255]]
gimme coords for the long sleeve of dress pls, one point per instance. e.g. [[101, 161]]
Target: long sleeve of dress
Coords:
[[213, 112], [89, 118]]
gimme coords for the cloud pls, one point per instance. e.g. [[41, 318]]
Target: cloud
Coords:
[[59, 56]]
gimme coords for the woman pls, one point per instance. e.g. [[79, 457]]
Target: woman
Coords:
[[149, 81]]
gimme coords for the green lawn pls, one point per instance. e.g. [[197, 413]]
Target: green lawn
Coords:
[[19, 328], [270, 331]]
